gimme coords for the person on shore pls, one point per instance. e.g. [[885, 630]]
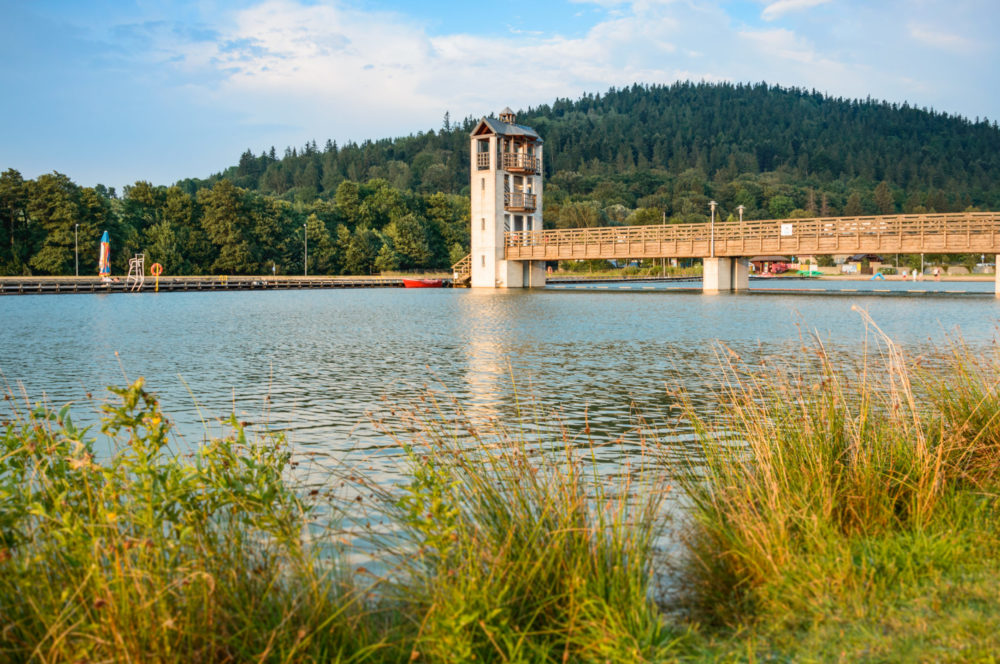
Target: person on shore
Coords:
[[937, 274]]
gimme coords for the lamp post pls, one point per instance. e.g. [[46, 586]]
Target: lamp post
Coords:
[[305, 252], [76, 248], [740, 208], [712, 205]]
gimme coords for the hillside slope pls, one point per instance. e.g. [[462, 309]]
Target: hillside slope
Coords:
[[687, 135]]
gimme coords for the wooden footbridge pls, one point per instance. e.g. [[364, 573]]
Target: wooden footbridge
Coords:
[[961, 233], [724, 246]]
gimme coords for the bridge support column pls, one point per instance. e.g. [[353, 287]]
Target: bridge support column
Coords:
[[526, 274], [721, 275], [715, 275], [996, 277], [536, 274], [520, 274], [740, 270]]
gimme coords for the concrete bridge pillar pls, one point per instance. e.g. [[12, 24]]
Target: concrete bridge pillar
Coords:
[[523, 274], [724, 275], [996, 277], [741, 274]]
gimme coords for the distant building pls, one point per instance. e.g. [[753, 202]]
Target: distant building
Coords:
[[764, 264]]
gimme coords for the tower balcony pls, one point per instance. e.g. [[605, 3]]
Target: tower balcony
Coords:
[[483, 161], [517, 201], [518, 162]]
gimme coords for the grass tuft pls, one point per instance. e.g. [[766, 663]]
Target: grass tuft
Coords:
[[518, 550], [826, 487]]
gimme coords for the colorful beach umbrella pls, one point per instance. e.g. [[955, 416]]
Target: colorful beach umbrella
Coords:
[[104, 261]]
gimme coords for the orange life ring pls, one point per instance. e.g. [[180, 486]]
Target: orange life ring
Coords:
[[156, 269]]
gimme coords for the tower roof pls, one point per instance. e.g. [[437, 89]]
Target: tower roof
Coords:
[[494, 126]]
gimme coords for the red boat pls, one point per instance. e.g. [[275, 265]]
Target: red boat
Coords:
[[423, 283]]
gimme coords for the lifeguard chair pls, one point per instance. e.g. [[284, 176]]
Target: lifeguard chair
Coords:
[[136, 273]]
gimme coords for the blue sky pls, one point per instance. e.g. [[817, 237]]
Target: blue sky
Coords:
[[118, 91]]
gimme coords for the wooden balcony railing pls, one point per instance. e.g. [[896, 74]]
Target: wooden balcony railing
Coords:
[[517, 161], [966, 232], [483, 161], [515, 200]]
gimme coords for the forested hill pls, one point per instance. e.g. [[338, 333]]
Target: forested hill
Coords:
[[639, 155], [635, 145]]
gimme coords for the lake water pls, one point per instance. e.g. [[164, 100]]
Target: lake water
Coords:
[[316, 363]]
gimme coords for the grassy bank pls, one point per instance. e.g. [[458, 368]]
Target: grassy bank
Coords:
[[835, 511], [849, 513], [604, 270]]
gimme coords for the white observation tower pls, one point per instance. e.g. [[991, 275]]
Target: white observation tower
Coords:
[[506, 197]]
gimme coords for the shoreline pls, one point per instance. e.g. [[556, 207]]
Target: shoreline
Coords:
[[896, 277]]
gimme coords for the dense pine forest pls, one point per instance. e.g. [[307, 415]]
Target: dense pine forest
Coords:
[[636, 155]]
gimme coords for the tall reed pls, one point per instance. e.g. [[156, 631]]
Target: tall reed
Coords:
[[811, 468], [518, 550]]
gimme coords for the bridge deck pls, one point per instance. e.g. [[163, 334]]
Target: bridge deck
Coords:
[[960, 233]]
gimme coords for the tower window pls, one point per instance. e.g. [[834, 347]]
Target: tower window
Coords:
[[483, 225], [483, 260], [482, 183]]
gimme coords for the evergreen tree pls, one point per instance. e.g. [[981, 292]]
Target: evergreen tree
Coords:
[[387, 259], [884, 202], [853, 206]]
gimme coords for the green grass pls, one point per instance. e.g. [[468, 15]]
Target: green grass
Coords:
[[572, 270], [151, 556], [518, 551], [848, 512], [836, 511]]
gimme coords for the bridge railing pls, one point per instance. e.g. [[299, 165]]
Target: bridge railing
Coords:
[[908, 229]]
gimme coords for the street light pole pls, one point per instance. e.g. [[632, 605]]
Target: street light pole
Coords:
[[305, 255], [740, 208], [76, 248], [712, 205]]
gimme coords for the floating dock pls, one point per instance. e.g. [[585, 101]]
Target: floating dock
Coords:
[[58, 285]]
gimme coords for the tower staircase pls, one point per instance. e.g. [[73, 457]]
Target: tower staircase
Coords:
[[462, 272]]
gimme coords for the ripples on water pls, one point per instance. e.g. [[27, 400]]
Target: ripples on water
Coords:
[[315, 363]]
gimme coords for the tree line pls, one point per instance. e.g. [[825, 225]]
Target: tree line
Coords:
[[636, 155], [225, 229]]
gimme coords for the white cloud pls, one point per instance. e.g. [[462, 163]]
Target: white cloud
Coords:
[[778, 8], [945, 41], [328, 68], [363, 67]]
